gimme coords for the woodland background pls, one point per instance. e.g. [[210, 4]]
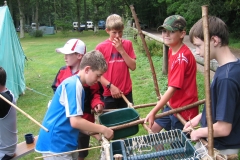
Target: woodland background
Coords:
[[61, 13]]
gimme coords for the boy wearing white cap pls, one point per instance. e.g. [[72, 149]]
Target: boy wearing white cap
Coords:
[[64, 115], [73, 51]]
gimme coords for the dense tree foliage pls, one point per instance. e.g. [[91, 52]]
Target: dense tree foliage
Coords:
[[150, 12]]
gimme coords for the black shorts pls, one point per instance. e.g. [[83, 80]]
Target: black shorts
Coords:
[[6, 157], [116, 103], [83, 142], [169, 122]]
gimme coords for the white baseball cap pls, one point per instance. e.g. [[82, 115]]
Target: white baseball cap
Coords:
[[73, 46]]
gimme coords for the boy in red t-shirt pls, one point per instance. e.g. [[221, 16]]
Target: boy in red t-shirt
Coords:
[[120, 57], [182, 87], [73, 51]]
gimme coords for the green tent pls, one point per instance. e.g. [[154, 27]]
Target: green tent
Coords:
[[12, 57]]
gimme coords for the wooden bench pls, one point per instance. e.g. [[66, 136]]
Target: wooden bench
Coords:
[[23, 148]]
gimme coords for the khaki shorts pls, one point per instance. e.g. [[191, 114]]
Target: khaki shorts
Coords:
[[199, 146], [72, 156]]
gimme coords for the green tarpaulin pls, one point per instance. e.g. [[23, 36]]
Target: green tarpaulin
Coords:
[[12, 57]]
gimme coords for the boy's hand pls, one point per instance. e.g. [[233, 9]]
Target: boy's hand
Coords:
[[98, 108], [187, 126], [108, 133], [115, 92], [194, 135], [192, 122], [150, 119], [117, 43]]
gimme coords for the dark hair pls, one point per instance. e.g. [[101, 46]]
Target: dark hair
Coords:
[[216, 28], [95, 60], [3, 77]]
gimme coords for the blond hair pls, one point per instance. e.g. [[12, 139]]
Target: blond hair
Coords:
[[114, 21]]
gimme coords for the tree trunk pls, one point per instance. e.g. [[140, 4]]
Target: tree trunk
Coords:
[[33, 15], [36, 17], [78, 13], [49, 15], [9, 3], [95, 22], [21, 18], [85, 14], [55, 15]]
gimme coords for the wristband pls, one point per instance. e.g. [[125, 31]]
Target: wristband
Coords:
[[109, 85]]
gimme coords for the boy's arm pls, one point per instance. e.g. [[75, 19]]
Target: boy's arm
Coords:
[[54, 84], [131, 63], [221, 129], [96, 102], [4, 106], [115, 92], [164, 99], [79, 123], [54, 87]]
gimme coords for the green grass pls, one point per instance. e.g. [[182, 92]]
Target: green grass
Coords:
[[40, 70], [234, 43], [43, 64]]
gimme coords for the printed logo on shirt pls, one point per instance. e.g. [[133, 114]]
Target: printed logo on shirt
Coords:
[[116, 57], [181, 58]]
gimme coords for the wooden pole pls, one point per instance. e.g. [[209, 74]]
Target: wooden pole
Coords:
[[150, 61], [173, 111], [146, 49], [145, 105], [28, 116], [165, 59], [207, 79], [135, 107]]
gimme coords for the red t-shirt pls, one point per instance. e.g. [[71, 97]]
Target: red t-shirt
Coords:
[[182, 75], [118, 71]]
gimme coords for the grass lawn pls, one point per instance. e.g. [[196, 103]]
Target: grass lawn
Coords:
[[43, 63], [40, 70]]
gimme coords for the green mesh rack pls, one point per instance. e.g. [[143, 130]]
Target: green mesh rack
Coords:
[[167, 145]]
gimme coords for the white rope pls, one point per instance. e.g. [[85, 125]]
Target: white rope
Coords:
[[106, 147], [201, 151], [31, 89], [142, 144]]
